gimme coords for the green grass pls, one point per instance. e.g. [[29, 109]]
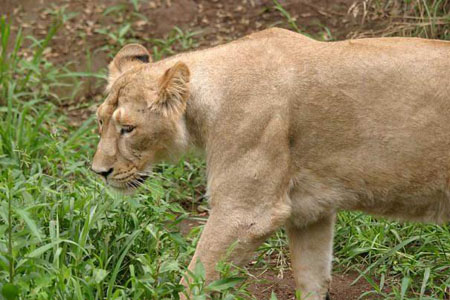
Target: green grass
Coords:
[[399, 260], [63, 235]]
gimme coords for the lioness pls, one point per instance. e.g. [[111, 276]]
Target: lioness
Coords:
[[293, 130]]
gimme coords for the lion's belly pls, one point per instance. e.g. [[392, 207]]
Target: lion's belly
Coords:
[[314, 194], [433, 207]]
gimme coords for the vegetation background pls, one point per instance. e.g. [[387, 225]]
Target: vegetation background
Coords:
[[63, 235]]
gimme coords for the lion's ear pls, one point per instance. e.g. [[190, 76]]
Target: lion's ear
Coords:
[[128, 57], [173, 91]]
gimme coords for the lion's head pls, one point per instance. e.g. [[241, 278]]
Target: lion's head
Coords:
[[141, 120]]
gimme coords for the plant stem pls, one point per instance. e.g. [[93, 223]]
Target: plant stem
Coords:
[[10, 250]]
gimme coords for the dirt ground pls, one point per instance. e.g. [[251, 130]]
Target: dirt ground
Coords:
[[216, 22], [284, 287]]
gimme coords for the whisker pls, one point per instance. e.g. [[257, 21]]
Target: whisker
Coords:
[[131, 185], [144, 174], [134, 183], [128, 186]]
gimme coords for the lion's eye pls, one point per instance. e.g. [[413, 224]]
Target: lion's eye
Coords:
[[126, 129]]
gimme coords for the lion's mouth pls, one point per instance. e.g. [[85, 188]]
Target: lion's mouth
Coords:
[[129, 185]]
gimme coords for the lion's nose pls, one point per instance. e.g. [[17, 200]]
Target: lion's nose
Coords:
[[102, 172]]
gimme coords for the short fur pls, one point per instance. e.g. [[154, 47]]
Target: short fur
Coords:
[[293, 130]]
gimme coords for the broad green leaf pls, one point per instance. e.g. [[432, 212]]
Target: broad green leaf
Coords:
[[168, 266], [199, 270], [224, 284], [30, 222], [405, 284], [10, 291], [99, 275], [426, 276]]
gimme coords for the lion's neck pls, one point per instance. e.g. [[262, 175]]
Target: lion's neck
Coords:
[[202, 105], [197, 123]]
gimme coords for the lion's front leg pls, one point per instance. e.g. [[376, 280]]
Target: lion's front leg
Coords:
[[248, 185], [222, 230], [238, 230]]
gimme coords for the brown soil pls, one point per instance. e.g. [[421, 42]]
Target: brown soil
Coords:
[[216, 21], [284, 287]]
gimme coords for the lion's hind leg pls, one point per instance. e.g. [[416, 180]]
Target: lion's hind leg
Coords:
[[311, 254]]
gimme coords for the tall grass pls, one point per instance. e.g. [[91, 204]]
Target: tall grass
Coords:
[[62, 234], [418, 18], [399, 260]]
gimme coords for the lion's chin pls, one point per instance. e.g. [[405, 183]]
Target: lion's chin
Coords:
[[128, 188], [123, 191]]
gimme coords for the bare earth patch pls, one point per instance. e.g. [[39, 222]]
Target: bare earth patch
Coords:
[[284, 288]]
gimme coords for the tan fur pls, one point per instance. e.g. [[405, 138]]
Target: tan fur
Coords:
[[293, 130]]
